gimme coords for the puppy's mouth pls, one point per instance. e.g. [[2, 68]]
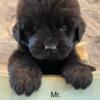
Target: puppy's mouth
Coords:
[[50, 56]]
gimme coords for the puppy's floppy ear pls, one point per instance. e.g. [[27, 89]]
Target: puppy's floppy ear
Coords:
[[22, 26], [80, 29], [17, 32]]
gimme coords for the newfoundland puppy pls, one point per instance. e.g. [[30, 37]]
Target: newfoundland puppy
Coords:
[[47, 32]]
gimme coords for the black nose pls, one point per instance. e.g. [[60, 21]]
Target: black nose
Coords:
[[50, 48]]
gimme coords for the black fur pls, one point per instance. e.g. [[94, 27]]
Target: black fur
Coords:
[[47, 32]]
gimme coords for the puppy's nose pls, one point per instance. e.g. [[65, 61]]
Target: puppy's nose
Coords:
[[50, 48]]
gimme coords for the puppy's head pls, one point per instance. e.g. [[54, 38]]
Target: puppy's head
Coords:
[[50, 33]]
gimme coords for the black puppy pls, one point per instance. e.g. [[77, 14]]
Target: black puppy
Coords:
[[47, 32]]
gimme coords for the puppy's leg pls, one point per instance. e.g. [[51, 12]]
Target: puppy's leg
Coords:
[[25, 76], [77, 73]]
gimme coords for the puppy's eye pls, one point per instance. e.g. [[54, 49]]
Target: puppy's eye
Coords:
[[63, 28], [26, 24], [35, 28]]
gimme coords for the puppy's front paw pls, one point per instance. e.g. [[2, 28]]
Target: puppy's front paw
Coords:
[[25, 80], [79, 75]]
